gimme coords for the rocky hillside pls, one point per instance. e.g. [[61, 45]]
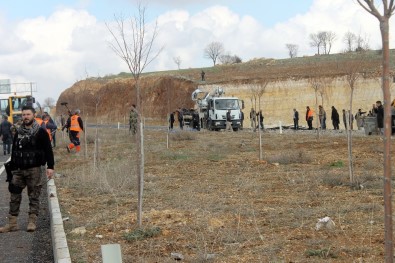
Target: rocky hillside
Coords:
[[289, 87]]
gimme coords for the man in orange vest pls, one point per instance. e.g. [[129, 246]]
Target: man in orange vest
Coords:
[[49, 126], [309, 117], [75, 125]]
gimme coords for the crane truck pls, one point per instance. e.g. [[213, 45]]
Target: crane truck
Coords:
[[213, 106]]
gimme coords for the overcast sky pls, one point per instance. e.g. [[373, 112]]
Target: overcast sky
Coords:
[[54, 43]]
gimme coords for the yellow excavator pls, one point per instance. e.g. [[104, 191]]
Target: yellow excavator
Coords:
[[12, 106]]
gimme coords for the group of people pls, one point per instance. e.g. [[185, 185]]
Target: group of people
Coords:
[[348, 117], [256, 119]]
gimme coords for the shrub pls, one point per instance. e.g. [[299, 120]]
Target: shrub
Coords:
[[290, 157], [183, 136], [141, 233]]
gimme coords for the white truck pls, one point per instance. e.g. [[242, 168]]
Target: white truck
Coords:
[[212, 109]]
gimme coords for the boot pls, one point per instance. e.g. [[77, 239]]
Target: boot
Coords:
[[31, 226], [11, 226], [78, 148]]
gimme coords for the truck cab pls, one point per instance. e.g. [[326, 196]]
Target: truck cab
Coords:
[[213, 107], [12, 106]]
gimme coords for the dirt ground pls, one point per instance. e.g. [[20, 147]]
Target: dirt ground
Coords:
[[209, 198]]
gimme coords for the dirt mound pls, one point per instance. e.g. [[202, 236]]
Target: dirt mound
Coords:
[[113, 97]]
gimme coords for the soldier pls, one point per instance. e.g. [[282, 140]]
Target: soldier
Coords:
[[31, 149], [6, 134], [133, 120]]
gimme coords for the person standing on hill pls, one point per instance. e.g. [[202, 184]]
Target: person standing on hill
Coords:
[[6, 135], [75, 126], [335, 118], [309, 117], [203, 74], [31, 149], [229, 121], [296, 119]]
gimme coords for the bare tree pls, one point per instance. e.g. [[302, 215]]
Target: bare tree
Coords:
[[292, 50], [388, 10], [213, 51], [49, 102], [362, 43], [353, 69], [316, 42], [328, 38], [178, 61], [228, 59], [323, 41], [133, 42], [349, 39]]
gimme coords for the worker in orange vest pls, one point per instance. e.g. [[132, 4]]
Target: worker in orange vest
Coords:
[[75, 126], [49, 126], [40, 121], [309, 117]]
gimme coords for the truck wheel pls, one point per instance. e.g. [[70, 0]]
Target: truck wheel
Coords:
[[235, 129]]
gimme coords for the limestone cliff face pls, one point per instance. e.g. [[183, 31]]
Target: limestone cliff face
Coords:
[[281, 97]]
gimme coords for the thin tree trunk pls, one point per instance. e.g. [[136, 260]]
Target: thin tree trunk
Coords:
[[349, 147], [317, 115], [140, 160], [260, 132], [389, 250]]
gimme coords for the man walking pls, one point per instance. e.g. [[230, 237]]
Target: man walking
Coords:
[[75, 126], [30, 150]]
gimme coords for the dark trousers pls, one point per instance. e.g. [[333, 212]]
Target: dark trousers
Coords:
[[6, 148], [296, 124], [30, 178], [74, 137], [310, 124]]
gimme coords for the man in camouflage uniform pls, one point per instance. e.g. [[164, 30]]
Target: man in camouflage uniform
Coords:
[[31, 149], [133, 120]]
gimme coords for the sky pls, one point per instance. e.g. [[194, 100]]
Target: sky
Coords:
[[54, 43]]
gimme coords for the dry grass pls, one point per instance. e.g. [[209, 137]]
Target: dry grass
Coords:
[[211, 199]]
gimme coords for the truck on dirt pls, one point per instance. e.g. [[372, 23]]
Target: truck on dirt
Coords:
[[213, 106]]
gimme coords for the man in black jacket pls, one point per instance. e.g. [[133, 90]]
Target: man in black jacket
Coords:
[[31, 149], [335, 118], [379, 110], [6, 134]]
